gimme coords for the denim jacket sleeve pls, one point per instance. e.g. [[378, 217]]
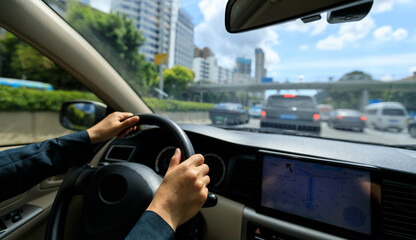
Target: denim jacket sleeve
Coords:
[[24, 167], [151, 227]]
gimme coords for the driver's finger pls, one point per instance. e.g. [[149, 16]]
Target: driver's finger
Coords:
[[124, 115], [176, 158], [203, 170], [206, 180], [196, 160], [129, 121]]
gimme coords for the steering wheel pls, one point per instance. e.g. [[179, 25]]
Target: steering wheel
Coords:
[[114, 196]]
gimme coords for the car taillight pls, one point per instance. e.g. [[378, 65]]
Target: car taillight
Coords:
[[289, 95], [339, 117], [363, 118], [316, 116], [263, 113]]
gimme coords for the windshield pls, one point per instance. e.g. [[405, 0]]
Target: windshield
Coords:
[[291, 101], [393, 112], [177, 55]]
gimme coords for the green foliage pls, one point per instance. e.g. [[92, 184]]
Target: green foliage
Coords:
[[79, 119], [176, 81], [346, 99], [21, 61], [356, 76], [113, 35], [23, 99], [117, 39], [160, 105]]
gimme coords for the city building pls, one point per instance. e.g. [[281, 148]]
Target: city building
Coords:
[[204, 53], [242, 71], [259, 70], [225, 75], [243, 66], [184, 50], [157, 21], [206, 69]]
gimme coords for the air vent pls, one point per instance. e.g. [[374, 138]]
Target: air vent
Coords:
[[398, 210], [244, 181]]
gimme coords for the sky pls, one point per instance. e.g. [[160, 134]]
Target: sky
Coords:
[[383, 44]]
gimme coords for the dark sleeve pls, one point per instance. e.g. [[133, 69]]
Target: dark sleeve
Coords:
[[151, 227], [23, 168]]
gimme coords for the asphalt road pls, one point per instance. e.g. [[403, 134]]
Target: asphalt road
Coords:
[[369, 134]]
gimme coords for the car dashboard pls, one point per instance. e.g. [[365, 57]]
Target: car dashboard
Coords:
[[236, 172]]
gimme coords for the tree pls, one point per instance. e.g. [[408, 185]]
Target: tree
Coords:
[[176, 80], [113, 35], [117, 39], [21, 61], [356, 76], [346, 99]]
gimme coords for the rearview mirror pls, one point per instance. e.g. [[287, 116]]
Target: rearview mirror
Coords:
[[81, 115], [243, 15]]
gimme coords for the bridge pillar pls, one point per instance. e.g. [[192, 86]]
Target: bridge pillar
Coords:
[[363, 100]]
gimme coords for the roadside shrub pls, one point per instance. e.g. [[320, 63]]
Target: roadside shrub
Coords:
[[167, 105], [23, 99]]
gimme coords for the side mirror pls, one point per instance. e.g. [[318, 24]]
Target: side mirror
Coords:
[[80, 115]]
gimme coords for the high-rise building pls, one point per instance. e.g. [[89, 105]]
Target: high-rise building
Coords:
[[156, 20], [259, 70], [243, 66], [225, 75], [206, 69], [204, 53], [184, 50]]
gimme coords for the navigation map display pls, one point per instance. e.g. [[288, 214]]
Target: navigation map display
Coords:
[[326, 193]]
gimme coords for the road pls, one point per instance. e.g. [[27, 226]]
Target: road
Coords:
[[369, 134]]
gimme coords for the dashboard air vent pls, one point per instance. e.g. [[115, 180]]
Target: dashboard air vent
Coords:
[[398, 210], [244, 181]]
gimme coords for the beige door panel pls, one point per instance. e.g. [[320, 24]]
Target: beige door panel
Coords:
[[224, 220]]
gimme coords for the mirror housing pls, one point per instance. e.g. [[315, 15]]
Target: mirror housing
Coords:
[[244, 15], [80, 115]]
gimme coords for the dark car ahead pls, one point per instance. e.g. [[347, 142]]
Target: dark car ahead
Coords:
[[347, 119], [291, 113], [412, 129], [229, 114]]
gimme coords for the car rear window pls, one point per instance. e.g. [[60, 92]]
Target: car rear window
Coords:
[[288, 102], [393, 112]]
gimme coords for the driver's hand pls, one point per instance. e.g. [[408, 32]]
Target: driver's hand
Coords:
[[115, 124], [183, 190]]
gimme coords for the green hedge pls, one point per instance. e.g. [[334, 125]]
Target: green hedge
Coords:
[[23, 99], [159, 105]]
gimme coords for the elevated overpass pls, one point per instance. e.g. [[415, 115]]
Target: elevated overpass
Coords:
[[363, 87]]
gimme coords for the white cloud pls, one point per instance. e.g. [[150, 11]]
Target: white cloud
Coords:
[[408, 59], [314, 28], [387, 78], [226, 46], [348, 33], [330, 43], [304, 47], [386, 33], [412, 70], [380, 6]]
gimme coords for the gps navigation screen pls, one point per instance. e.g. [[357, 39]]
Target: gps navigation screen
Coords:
[[330, 194]]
